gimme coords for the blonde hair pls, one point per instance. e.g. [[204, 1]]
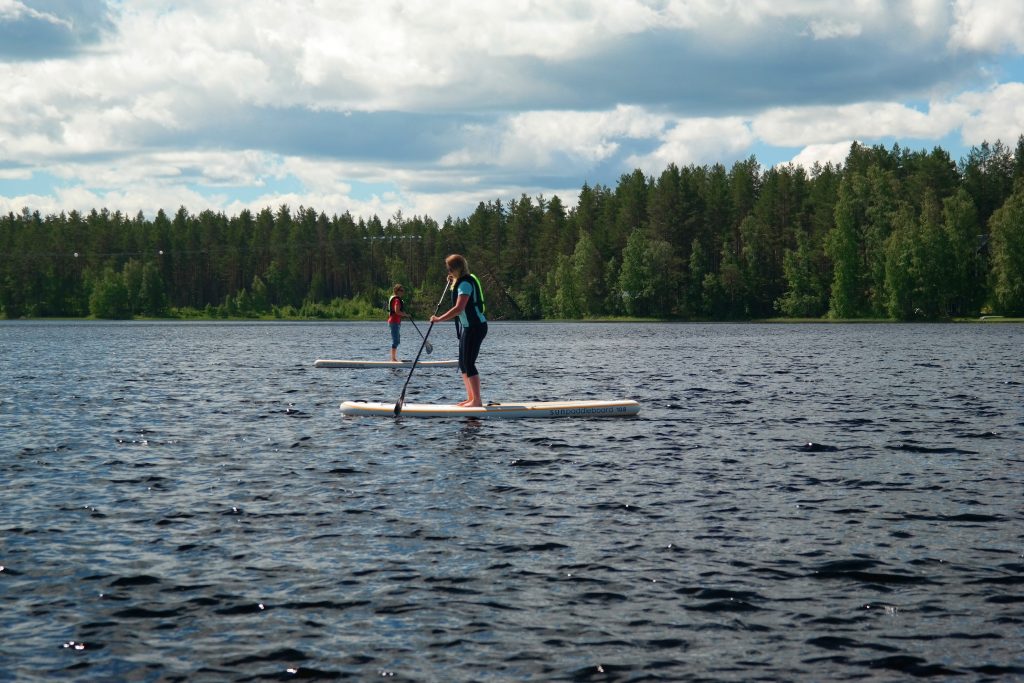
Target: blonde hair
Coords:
[[398, 286], [457, 262]]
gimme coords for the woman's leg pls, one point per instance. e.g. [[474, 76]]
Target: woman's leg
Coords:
[[473, 338], [462, 366], [469, 393], [474, 391], [396, 339]]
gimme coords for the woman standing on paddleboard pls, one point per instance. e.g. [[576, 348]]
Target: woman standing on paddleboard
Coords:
[[470, 323], [396, 311]]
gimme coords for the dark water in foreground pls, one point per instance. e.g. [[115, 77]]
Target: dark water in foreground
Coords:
[[185, 502]]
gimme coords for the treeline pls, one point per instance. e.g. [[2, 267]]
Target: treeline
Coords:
[[890, 233]]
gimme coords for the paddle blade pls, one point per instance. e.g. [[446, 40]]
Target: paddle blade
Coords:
[[429, 347], [398, 407]]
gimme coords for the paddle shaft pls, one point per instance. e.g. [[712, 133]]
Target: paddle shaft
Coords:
[[401, 399], [427, 345]]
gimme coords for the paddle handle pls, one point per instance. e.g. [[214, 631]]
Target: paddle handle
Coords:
[[401, 399]]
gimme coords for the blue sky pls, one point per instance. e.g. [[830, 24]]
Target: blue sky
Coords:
[[429, 107]]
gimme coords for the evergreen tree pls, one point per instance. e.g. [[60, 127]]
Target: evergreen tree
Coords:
[[613, 295], [987, 175], [729, 302], [843, 250], [806, 295], [890, 232], [588, 276], [932, 261], [965, 277], [1008, 255], [881, 196], [630, 203], [758, 267], [132, 274], [666, 206], [899, 268], [744, 189], [694, 300], [1018, 161], [717, 222], [152, 299]]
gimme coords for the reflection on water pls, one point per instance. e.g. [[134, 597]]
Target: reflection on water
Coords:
[[185, 501]]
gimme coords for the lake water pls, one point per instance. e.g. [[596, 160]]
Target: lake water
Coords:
[[184, 501]]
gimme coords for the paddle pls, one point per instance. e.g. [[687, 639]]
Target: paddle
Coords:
[[427, 345], [401, 399]]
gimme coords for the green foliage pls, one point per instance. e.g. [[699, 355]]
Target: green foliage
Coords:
[[109, 297], [806, 295], [960, 224], [588, 276], [899, 270], [528, 297], [890, 232], [693, 300], [1008, 255], [560, 298], [842, 247], [932, 261], [151, 298], [757, 266], [645, 280]]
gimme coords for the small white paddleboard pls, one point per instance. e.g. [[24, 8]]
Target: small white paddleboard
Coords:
[[324, 363], [623, 408]]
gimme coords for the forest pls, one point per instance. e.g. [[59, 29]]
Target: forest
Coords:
[[888, 234]]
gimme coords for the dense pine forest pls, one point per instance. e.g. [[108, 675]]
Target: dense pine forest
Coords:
[[890, 233]]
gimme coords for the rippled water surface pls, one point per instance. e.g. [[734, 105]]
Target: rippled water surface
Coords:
[[184, 501]]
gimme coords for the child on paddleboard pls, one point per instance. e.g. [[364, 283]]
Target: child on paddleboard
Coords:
[[396, 311], [467, 310]]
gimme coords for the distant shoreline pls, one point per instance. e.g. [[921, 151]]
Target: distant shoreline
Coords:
[[623, 320]]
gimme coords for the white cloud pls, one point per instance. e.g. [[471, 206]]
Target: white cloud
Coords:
[[171, 68], [359, 55], [988, 25], [13, 10], [15, 174], [987, 115], [835, 152], [796, 126], [207, 168], [697, 141], [827, 28], [822, 19], [997, 114], [372, 56], [148, 182], [129, 201], [172, 65], [539, 139], [931, 17]]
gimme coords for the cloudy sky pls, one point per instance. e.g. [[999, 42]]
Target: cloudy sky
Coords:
[[430, 106]]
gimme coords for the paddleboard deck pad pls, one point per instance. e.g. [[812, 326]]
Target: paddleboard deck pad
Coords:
[[621, 408], [325, 363]]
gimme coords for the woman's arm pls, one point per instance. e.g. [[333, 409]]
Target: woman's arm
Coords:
[[459, 307]]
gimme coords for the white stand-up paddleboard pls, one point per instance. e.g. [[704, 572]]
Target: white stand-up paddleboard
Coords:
[[324, 363], [623, 408]]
